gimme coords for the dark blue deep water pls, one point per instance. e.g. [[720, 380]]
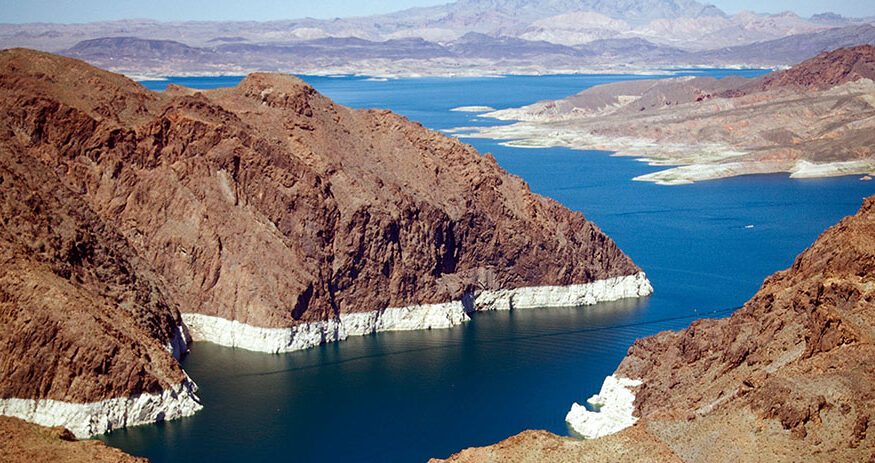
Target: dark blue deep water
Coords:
[[405, 397]]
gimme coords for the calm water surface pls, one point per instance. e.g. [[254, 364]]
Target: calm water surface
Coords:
[[405, 397]]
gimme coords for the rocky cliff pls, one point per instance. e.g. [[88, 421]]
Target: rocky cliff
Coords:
[[812, 120], [788, 377], [791, 372], [270, 217]]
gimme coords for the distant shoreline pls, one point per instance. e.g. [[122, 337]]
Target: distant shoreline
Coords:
[[140, 75]]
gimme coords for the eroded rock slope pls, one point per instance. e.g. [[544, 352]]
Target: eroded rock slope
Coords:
[[89, 331], [27, 443]]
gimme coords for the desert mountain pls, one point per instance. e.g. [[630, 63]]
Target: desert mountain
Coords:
[[470, 53], [787, 50], [788, 377], [522, 11], [814, 119]]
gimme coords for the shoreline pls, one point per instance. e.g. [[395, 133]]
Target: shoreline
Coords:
[[426, 72], [684, 163], [89, 419], [232, 333]]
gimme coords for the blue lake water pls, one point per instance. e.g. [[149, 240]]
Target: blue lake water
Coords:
[[405, 397]]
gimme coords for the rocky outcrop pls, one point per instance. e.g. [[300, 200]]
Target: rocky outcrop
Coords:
[[816, 119], [788, 377], [792, 370], [27, 443], [268, 205], [615, 409]]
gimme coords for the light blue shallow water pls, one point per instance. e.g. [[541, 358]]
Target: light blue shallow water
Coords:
[[399, 397]]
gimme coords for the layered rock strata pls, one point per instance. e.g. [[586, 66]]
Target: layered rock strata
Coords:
[[788, 377]]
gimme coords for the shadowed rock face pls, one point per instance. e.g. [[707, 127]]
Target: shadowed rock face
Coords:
[[788, 377], [268, 204], [84, 319]]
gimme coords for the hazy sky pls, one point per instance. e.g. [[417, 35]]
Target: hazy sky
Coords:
[[69, 11]]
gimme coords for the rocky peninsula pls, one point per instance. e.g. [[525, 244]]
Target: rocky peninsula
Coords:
[[262, 216]]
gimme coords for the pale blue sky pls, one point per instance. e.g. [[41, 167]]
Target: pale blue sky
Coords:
[[71, 11]]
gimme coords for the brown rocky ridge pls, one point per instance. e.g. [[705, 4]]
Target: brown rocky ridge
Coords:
[[788, 377], [264, 204], [814, 119], [268, 204], [824, 71]]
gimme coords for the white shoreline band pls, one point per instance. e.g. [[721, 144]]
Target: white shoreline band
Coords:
[[91, 418], [232, 333], [88, 419], [615, 404]]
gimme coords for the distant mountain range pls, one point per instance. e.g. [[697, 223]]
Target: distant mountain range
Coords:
[[467, 36]]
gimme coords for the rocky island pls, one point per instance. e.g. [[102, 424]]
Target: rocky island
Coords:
[[788, 377], [262, 216], [815, 119]]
